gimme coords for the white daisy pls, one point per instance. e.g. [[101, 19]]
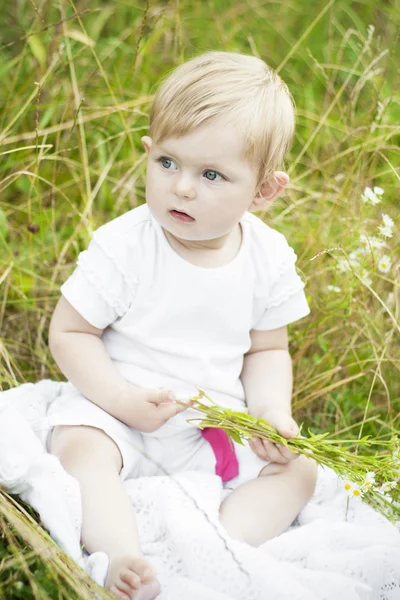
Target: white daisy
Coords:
[[348, 486], [370, 196], [388, 221], [356, 492], [354, 258], [365, 277], [369, 481], [372, 242], [384, 264], [386, 231], [353, 489], [386, 487], [334, 288], [343, 265]]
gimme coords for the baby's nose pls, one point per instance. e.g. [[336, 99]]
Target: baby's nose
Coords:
[[185, 188]]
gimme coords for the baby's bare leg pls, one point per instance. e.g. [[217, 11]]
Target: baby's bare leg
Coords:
[[265, 507], [108, 520]]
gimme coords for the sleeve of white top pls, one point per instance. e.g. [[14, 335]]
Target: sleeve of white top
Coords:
[[294, 308], [286, 301], [98, 288]]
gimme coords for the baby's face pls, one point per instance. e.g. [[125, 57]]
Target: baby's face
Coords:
[[199, 186]]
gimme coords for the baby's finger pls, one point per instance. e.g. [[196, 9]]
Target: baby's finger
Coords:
[[286, 453], [257, 446], [187, 404], [167, 410], [160, 396], [273, 453], [288, 428]]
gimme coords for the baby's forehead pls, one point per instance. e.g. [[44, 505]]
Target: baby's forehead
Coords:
[[216, 142]]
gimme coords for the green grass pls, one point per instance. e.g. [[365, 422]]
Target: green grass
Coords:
[[77, 80]]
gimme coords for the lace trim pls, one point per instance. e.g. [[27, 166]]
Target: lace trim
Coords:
[[119, 299], [117, 259], [285, 295], [292, 287], [285, 265]]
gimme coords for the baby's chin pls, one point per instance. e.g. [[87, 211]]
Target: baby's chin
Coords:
[[186, 237], [195, 242], [191, 231]]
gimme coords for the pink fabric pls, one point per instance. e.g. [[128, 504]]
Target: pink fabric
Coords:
[[227, 466]]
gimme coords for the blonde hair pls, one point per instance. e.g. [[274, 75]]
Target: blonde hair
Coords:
[[240, 88]]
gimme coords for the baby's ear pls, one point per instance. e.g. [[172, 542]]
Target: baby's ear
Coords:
[[147, 142], [269, 190]]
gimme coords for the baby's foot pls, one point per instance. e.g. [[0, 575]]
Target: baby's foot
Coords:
[[132, 578]]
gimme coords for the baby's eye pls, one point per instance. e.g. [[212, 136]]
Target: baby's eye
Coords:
[[214, 175], [167, 163]]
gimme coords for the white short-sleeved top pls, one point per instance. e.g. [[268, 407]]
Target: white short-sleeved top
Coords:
[[169, 323]]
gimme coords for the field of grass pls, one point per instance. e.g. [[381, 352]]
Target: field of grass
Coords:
[[77, 79]]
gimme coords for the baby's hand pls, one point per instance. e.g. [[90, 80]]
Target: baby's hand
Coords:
[[276, 453], [147, 410]]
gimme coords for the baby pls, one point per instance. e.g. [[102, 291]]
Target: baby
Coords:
[[188, 289]]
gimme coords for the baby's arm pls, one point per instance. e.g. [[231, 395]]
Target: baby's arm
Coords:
[[77, 348], [267, 380]]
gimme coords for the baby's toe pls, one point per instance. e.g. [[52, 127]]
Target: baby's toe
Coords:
[[142, 568], [131, 578], [118, 594], [149, 575], [148, 591], [124, 586]]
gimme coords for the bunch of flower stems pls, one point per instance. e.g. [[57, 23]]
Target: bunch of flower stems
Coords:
[[374, 476]]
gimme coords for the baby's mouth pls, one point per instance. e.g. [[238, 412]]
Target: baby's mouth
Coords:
[[179, 215]]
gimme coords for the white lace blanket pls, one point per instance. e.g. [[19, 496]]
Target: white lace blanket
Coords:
[[323, 557]]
